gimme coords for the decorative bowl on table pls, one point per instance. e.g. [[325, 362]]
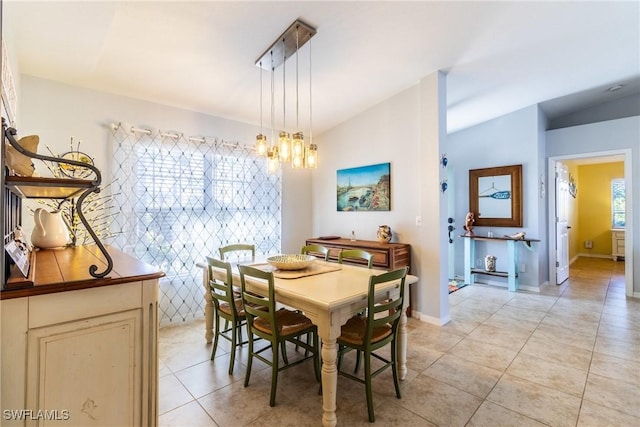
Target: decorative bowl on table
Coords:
[[291, 262]]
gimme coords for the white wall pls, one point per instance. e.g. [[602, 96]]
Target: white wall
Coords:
[[621, 134], [388, 132], [56, 112], [508, 140]]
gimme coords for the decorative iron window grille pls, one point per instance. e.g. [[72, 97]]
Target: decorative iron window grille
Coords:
[[180, 198]]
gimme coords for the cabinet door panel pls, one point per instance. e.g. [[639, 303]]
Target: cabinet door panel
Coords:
[[90, 368]]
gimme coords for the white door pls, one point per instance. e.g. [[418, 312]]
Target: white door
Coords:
[[562, 217], [451, 209]]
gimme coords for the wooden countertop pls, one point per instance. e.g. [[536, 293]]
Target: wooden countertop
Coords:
[[62, 270]]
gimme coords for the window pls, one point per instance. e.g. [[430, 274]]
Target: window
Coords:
[[617, 203], [179, 199]]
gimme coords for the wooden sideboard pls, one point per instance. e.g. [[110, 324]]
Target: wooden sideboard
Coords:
[[83, 349], [388, 256]]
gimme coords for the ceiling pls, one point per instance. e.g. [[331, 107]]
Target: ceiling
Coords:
[[498, 56]]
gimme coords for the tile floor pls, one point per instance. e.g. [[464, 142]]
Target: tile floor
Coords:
[[569, 356]]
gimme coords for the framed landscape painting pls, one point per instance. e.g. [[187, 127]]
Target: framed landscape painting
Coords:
[[365, 188]]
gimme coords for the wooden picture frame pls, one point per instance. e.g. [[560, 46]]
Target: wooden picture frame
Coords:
[[495, 196]]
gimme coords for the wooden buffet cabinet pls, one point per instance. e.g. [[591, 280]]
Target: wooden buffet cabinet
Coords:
[[388, 256], [78, 349]]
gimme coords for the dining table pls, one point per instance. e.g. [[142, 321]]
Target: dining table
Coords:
[[329, 294]]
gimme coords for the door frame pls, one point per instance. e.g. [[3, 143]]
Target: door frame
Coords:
[[551, 203]]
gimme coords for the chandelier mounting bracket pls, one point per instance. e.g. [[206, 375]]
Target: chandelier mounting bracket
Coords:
[[274, 56]]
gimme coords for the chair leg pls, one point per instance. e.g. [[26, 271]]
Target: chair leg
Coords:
[[358, 352], [283, 347], [367, 376], [232, 358], [274, 374], [250, 359], [394, 368], [216, 334]]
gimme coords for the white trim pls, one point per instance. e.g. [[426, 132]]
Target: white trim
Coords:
[[628, 182], [431, 320]]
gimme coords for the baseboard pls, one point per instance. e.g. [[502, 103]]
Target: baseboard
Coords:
[[574, 259], [505, 285], [588, 255], [430, 319]]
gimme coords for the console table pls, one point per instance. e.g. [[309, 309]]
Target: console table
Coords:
[[511, 274]]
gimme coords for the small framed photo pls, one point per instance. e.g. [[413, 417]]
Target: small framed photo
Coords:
[[19, 253]]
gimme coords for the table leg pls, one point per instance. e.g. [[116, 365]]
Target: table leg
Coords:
[[208, 307], [402, 347], [329, 382]]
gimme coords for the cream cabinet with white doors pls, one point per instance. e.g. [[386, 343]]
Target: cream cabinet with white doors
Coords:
[[84, 356], [617, 244]]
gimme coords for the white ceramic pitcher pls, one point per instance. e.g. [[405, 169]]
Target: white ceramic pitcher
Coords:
[[50, 230]]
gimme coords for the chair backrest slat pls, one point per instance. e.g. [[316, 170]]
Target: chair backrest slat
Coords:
[[221, 290], [239, 247], [391, 307], [257, 305], [315, 249], [355, 254]]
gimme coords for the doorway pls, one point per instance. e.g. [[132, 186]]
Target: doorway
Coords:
[[599, 157]]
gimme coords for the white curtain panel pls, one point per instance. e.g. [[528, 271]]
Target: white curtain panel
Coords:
[[179, 198]]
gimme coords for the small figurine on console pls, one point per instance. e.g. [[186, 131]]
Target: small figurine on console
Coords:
[[468, 224]]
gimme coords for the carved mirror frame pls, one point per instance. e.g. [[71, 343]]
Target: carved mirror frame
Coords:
[[503, 206]]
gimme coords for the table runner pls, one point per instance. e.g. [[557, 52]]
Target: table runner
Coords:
[[312, 270]]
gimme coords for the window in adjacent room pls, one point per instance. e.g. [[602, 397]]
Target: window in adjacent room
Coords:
[[617, 203]]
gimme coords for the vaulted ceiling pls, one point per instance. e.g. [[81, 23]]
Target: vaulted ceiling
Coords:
[[498, 56]]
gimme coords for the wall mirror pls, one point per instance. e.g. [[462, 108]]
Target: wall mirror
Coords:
[[495, 196]]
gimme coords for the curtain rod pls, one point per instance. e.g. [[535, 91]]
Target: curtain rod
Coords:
[[200, 139]]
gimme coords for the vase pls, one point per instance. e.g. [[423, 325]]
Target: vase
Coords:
[[50, 230], [490, 263], [384, 234]]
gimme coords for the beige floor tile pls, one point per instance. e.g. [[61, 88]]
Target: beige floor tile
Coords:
[[564, 354], [614, 394], [208, 376], [620, 321], [468, 376], [615, 368], [617, 348], [532, 302], [533, 316], [171, 394], [190, 414], [503, 319], [435, 338], [565, 320], [490, 414], [535, 401], [487, 307], [439, 403], [500, 336], [575, 314], [484, 354], [556, 333], [610, 331], [594, 415], [549, 374]]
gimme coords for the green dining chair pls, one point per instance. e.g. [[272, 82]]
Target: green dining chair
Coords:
[[355, 256], [369, 334], [275, 327], [227, 306], [240, 250], [315, 250]]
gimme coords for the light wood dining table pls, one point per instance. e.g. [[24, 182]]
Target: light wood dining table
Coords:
[[329, 299]]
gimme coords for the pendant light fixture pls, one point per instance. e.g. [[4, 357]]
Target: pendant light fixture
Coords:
[[295, 151], [261, 140]]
